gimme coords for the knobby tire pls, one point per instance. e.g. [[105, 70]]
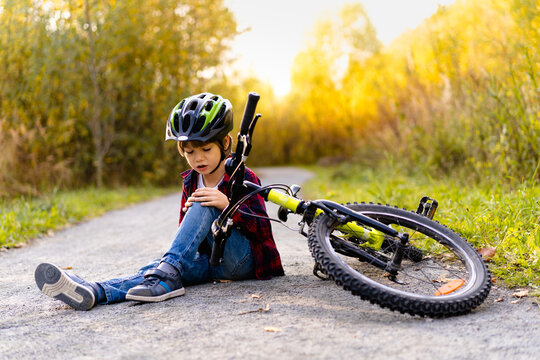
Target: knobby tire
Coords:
[[443, 255]]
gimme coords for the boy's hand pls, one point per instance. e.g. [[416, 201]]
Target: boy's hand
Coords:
[[207, 197]]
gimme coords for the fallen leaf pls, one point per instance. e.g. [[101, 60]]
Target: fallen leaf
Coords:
[[255, 296], [67, 268], [223, 281], [271, 329], [521, 294], [266, 309], [514, 302], [19, 245], [449, 287], [499, 300], [487, 252]]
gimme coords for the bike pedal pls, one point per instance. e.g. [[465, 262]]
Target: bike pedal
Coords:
[[283, 213], [317, 270], [427, 207]]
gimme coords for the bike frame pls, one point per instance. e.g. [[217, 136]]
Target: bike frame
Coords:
[[373, 237], [372, 232]]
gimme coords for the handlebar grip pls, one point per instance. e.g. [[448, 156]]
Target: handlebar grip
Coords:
[[249, 112]]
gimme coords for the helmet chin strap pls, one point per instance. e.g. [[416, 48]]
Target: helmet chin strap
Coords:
[[220, 161]]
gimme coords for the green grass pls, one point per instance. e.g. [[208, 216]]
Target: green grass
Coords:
[[503, 217], [24, 218]]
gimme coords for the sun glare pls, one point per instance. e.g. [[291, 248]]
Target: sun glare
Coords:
[[274, 31]]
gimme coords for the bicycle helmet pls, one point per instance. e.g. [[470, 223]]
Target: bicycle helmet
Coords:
[[203, 117]]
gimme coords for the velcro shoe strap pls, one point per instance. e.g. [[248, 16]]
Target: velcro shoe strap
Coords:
[[156, 273]]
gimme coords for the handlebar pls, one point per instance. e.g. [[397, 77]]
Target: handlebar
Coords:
[[249, 112], [221, 227]]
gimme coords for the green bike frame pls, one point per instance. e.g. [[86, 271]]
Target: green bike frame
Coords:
[[373, 238]]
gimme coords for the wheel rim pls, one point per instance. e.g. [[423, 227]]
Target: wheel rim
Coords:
[[444, 261]]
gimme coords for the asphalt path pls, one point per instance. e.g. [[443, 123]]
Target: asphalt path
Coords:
[[297, 316]]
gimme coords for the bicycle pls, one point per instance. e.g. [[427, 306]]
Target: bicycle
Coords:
[[398, 259]]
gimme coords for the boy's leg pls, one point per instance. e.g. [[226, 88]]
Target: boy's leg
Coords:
[[165, 282], [195, 228], [191, 267], [238, 262], [81, 294], [116, 289]]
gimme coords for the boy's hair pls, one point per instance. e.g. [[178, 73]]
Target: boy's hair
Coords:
[[220, 143]]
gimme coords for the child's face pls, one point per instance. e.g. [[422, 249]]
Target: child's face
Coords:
[[203, 159]]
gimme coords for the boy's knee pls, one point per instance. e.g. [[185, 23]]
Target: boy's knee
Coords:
[[199, 209], [196, 207]]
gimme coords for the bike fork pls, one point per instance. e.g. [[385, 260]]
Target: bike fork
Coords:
[[395, 264]]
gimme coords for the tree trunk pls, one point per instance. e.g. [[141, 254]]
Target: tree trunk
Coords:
[[98, 128]]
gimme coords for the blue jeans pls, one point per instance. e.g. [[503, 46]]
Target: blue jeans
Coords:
[[183, 254]]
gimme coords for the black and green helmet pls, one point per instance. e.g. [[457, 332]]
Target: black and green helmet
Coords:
[[203, 117]]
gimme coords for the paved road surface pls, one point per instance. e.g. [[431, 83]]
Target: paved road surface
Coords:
[[312, 318]]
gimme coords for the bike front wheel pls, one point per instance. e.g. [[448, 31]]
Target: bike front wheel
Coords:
[[445, 277]]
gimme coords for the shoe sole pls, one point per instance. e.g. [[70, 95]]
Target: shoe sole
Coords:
[[169, 295], [53, 282]]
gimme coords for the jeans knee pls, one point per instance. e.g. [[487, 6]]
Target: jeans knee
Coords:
[[199, 210]]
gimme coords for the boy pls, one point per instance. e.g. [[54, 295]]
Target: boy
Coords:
[[201, 125]]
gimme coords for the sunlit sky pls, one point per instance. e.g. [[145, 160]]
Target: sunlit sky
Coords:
[[277, 29]]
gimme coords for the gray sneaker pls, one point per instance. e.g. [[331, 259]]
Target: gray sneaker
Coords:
[[157, 286], [71, 289]]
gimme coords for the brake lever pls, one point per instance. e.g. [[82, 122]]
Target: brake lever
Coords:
[[244, 140], [252, 125], [248, 137]]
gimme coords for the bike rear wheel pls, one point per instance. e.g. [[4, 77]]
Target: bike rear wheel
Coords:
[[448, 278]]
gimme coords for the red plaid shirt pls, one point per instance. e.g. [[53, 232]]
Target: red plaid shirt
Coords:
[[258, 231]]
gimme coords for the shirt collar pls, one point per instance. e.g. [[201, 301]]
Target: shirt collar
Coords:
[[187, 173]]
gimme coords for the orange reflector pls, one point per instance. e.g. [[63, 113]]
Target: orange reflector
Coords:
[[449, 287]]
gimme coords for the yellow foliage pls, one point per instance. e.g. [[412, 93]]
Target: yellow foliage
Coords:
[[463, 85]]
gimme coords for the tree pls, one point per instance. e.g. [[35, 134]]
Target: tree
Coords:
[[320, 87], [86, 86]]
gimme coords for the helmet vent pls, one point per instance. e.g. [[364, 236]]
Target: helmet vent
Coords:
[[199, 124], [209, 106], [192, 105], [185, 123], [218, 123], [221, 111], [176, 122]]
